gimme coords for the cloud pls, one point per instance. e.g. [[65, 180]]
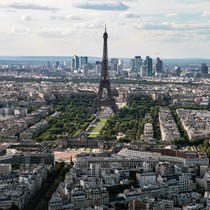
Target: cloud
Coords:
[[171, 26], [152, 26], [172, 15], [67, 17], [30, 6], [53, 32], [206, 14], [91, 24], [47, 32], [20, 30], [99, 6], [73, 17], [26, 18], [190, 1], [128, 15], [57, 17]]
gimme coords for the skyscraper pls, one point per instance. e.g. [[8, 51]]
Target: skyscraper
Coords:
[[143, 71], [85, 70], [132, 64], [83, 61], [76, 62], [177, 71], [148, 64], [47, 64], [73, 61], [98, 69], [204, 68], [138, 62], [158, 67], [114, 63], [120, 67], [56, 64]]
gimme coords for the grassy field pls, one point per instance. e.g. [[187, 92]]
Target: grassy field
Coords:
[[95, 131], [88, 149], [103, 120]]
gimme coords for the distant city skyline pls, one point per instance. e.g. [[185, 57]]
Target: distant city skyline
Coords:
[[164, 28]]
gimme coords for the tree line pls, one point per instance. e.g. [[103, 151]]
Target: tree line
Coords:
[[73, 119]]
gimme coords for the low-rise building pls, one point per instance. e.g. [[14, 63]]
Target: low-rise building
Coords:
[[168, 127], [5, 169]]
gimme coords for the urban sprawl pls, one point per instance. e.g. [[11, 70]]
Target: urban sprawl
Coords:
[[68, 158]]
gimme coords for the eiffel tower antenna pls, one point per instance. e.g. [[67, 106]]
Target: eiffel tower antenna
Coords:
[[108, 100]]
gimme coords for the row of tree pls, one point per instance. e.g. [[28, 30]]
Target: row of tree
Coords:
[[74, 117], [131, 119], [43, 196]]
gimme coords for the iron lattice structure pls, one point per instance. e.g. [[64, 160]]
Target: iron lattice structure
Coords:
[[104, 96]]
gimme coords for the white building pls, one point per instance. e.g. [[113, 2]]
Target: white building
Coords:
[[146, 178]]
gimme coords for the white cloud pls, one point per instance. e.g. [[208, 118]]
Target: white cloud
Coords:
[[206, 14], [21, 30], [172, 15], [50, 33], [30, 6], [171, 26], [103, 6], [26, 17], [128, 15], [67, 17], [91, 24], [73, 17], [66, 32]]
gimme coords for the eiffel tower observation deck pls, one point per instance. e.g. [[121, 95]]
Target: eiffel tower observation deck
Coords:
[[104, 96]]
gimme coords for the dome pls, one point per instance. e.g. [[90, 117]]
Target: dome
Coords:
[[83, 135]]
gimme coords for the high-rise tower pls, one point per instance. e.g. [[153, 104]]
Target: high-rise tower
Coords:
[[204, 68], [159, 65], [148, 64], [104, 96], [76, 62]]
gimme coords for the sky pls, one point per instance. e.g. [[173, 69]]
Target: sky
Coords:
[[164, 28]]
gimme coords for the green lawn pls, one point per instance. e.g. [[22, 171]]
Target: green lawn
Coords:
[[96, 129], [88, 149], [77, 133], [93, 135], [103, 120], [94, 132]]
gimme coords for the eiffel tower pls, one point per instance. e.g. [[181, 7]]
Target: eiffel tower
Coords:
[[104, 96]]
